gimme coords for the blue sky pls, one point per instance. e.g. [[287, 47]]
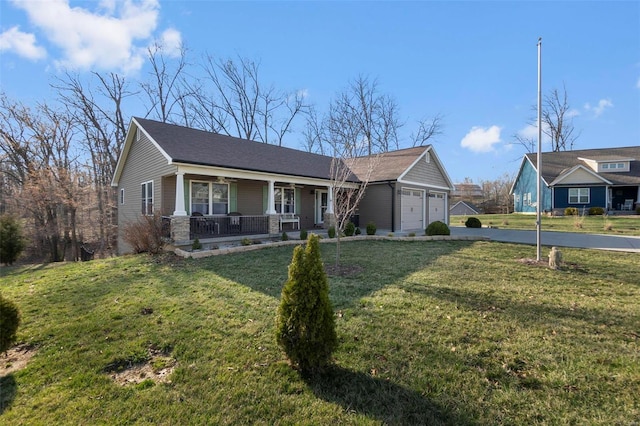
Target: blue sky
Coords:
[[473, 62]]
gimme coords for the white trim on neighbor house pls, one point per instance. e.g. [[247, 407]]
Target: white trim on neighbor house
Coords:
[[565, 176], [578, 195]]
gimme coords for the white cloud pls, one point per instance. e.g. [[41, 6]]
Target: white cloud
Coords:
[[23, 44], [480, 139], [112, 37], [599, 109], [171, 40], [638, 83]]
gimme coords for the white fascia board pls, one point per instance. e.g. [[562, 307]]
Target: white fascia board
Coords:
[[254, 175], [423, 185], [128, 141], [434, 158]]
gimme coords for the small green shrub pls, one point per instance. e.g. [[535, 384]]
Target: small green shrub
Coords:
[[638, 209], [303, 234], [596, 211], [359, 231], [349, 229], [437, 228], [196, 245], [285, 237], [246, 242], [331, 232], [571, 211], [9, 322], [411, 234], [305, 322], [11, 240], [473, 222], [371, 228], [390, 234]]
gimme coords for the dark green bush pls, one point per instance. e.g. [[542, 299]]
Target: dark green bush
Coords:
[[9, 322], [196, 245], [437, 228], [358, 231], [349, 229], [285, 237], [331, 232], [596, 211], [11, 241], [371, 228], [305, 323], [303, 234], [473, 222], [571, 211]]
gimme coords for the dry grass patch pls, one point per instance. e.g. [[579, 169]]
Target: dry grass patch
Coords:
[[16, 358]]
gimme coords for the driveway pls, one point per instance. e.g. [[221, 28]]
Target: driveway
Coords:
[[552, 238]]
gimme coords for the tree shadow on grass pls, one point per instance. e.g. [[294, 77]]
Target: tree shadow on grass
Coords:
[[8, 388], [381, 399]]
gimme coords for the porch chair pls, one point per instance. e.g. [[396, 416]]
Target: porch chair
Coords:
[[628, 205], [235, 222]]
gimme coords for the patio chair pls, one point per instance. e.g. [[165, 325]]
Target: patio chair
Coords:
[[234, 222], [628, 205]]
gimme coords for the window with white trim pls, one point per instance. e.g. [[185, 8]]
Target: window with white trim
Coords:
[[579, 195], [209, 198], [285, 200], [147, 198]]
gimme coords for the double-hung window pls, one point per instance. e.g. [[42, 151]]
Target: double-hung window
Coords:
[[285, 200], [209, 198], [147, 198], [578, 195]]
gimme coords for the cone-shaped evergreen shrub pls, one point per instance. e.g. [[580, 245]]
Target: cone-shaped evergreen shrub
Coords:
[[305, 325], [9, 321], [11, 241]]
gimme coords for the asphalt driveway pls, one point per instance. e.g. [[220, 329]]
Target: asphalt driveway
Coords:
[[552, 238]]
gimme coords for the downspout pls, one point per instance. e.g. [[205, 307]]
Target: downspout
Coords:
[[393, 205]]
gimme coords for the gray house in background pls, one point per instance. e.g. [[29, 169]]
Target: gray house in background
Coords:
[[462, 208], [211, 186]]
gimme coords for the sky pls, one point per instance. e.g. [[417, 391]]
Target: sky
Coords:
[[475, 63]]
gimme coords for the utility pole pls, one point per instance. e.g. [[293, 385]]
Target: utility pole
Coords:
[[539, 162]]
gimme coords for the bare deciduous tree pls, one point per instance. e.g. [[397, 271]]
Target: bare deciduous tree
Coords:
[[557, 123], [427, 130], [238, 104]]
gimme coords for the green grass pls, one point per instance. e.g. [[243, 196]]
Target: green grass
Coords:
[[436, 332], [608, 225]]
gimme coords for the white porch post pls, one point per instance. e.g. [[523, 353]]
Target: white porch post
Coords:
[[330, 200], [271, 206], [180, 208]]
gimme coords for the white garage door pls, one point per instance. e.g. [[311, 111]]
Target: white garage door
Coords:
[[412, 209], [436, 207]]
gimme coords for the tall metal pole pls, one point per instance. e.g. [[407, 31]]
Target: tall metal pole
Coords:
[[539, 162]]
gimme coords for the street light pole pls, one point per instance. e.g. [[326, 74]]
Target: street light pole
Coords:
[[539, 162]]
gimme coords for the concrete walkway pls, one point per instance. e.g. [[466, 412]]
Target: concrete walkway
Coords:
[[552, 238]]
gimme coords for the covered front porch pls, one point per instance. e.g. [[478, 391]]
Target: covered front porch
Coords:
[[624, 198], [210, 204]]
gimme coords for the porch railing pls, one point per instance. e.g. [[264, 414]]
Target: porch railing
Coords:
[[224, 226]]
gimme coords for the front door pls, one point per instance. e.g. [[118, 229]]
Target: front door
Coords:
[[322, 199]]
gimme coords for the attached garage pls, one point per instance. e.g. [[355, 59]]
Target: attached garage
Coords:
[[412, 203], [437, 207]]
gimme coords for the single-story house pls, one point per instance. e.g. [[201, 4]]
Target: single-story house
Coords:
[[211, 186], [607, 178], [462, 208]]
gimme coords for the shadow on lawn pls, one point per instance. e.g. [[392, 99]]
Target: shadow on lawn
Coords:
[[381, 399], [8, 388], [382, 263]]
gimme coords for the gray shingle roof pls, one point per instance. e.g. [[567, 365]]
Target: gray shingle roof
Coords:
[[191, 146], [555, 163], [390, 165]]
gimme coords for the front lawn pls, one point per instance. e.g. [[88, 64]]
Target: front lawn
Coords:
[[431, 332], [608, 225]]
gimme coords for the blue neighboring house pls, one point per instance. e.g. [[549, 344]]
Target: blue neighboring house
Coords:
[[607, 178]]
